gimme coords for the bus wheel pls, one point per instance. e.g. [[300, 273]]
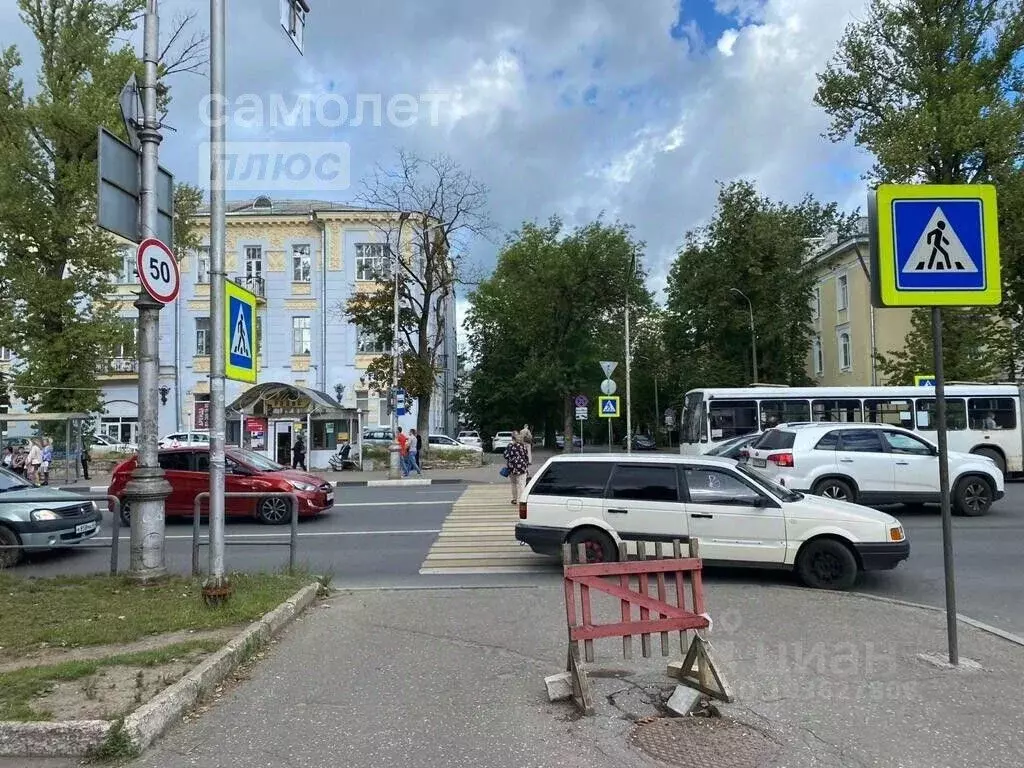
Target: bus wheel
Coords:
[[996, 456]]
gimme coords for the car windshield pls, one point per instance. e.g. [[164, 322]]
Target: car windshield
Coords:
[[784, 493], [257, 461], [12, 482]]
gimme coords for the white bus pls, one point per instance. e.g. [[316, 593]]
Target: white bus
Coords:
[[980, 418]]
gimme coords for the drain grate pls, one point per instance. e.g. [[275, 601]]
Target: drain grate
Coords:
[[709, 742]]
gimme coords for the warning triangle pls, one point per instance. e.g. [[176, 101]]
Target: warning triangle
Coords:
[[700, 672], [240, 338], [939, 249], [609, 407]]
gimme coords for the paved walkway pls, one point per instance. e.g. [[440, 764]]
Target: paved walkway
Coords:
[[454, 679]]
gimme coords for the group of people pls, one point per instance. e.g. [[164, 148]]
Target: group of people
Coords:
[[32, 464], [518, 458], [409, 447]]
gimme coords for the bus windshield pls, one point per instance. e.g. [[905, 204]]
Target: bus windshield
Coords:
[[693, 418]]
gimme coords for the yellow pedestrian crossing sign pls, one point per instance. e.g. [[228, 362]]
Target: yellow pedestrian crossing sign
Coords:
[[608, 406], [239, 330]]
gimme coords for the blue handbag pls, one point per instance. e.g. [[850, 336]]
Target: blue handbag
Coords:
[[503, 471]]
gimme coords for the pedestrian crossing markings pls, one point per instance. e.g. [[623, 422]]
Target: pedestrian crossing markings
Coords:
[[939, 249]]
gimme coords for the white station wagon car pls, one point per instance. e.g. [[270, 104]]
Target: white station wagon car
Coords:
[[186, 440], [740, 516], [873, 464]]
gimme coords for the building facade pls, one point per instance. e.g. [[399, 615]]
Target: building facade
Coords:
[[303, 260], [848, 330]]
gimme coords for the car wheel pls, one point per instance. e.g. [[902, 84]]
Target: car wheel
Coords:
[[832, 488], [989, 453], [599, 546], [9, 557], [274, 510], [827, 564], [972, 496], [126, 513]]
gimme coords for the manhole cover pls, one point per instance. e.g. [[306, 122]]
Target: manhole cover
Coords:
[[709, 742]]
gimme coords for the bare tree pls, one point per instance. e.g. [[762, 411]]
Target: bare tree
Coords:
[[438, 208]]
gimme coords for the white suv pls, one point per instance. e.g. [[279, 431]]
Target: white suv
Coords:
[[873, 464], [739, 515]]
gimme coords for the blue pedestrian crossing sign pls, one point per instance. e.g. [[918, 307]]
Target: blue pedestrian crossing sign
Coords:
[[608, 406], [240, 333], [934, 245], [927, 380]]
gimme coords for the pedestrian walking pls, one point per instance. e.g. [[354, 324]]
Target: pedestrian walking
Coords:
[[517, 463], [299, 454], [85, 458], [403, 452], [44, 466], [33, 461], [527, 436], [415, 445]]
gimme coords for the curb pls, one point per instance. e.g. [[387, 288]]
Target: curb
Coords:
[[76, 738], [395, 483]]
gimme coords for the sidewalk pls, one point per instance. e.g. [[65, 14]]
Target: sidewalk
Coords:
[[454, 679]]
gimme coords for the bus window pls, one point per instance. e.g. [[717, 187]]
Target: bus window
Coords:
[[895, 412], [732, 418], [775, 412], [988, 413], [956, 415], [837, 410]]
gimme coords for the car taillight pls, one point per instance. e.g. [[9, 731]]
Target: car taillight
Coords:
[[522, 510], [782, 459]]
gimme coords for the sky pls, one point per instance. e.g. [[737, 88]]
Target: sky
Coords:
[[634, 109]]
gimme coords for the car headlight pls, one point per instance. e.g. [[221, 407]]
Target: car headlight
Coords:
[[896, 533], [44, 514], [298, 485]]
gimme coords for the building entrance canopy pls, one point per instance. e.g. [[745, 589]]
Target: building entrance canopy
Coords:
[[277, 400]]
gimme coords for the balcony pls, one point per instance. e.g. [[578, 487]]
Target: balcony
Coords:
[[118, 367], [255, 285]]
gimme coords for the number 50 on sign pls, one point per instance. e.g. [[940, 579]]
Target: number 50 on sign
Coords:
[[158, 270]]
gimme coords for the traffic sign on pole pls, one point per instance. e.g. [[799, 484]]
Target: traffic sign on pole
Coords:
[[581, 414], [158, 270], [927, 380], [240, 327], [608, 387], [608, 407], [608, 367], [582, 401], [934, 245]]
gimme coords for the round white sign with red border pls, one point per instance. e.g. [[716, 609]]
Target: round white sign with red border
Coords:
[[158, 270]]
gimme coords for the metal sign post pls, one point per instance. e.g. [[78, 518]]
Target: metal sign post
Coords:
[[935, 246]]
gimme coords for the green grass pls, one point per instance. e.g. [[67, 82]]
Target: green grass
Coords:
[[73, 611], [20, 687]]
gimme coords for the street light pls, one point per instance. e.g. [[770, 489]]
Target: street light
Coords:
[[629, 401], [753, 334]]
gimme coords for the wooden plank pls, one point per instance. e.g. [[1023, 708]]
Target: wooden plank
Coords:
[[634, 568], [588, 645], [637, 628], [662, 598], [645, 613], [626, 606], [677, 553]]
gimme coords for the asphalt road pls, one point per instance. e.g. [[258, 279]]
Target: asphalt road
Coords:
[[378, 537]]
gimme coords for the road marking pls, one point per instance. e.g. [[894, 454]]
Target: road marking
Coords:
[[390, 503], [416, 532]]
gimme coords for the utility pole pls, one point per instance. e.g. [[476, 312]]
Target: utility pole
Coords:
[[629, 402], [216, 588], [393, 466], [147, 489], [753, 333]]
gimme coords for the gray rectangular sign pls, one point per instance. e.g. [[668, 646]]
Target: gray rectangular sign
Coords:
[[118, 202]]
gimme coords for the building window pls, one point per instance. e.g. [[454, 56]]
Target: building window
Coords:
[[819, 356], [121, 429], [300, 264], [127, 336], [201, 412], [845, 351], [203, 264], [816, 303], [5, 355], [254, 262], [302, 341], [372, 261], [129, 273], [842, 293], [202, 336], [367, 343], [362, 400]]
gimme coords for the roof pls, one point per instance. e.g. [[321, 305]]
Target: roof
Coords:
[[636, 458], [320, 402], [293, 207]]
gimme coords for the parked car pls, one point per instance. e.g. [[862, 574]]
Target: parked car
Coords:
[[740, 515], [107, 443], [60, 520], [737, 448], [642, 443], [445, 443], [874, 464], [577, 441], [500, 441], [188, 472], [378, 436], [470, 437], [186, 440]]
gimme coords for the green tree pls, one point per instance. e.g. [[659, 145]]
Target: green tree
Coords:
[[540, 324], [755, 246], [188, 199], [932, 89]]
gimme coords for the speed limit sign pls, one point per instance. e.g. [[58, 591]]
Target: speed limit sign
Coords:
[[158, 270]]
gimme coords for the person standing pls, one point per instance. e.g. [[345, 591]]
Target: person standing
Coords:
[[44, 467], [415, 445], [33, 461], [85, 458], [18, 461], [516, 461], [527, 436], [403, 452], [299, 454], [9, 457]]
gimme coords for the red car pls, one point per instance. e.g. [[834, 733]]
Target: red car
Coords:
[[188, 472]]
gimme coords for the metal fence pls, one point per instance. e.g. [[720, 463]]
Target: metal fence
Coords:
[[293, 536]]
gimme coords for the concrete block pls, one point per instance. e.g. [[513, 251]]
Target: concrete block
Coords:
[[559, 686], [942, 661], [684, 700], [675, 669], [72, 738]]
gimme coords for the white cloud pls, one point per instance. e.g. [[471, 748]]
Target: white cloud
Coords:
[[727, 41]]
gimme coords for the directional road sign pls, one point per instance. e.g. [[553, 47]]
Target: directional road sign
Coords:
[[925, 381], [608, 407], [240, 331], [158, 270], [934, 245], [608, 367]]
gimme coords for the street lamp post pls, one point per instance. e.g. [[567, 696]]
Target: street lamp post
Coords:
[[753, 333], [393, 468], [629, 400]]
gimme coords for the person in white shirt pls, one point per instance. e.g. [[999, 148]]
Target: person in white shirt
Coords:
[[33, 462]]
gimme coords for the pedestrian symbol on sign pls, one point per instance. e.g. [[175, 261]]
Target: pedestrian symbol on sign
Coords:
[[939, 249], [240, 345]]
